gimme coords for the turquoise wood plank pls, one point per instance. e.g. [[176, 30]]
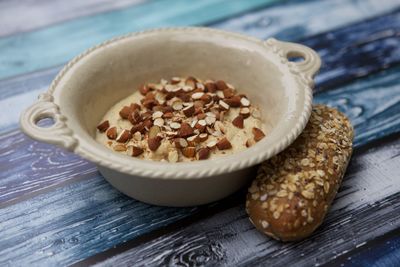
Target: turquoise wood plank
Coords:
[[26, 15], [59, 43]]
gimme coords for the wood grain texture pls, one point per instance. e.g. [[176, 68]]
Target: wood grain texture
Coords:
[[19, 92], [292, 20], [26, 15], [47, 47], [82, 217], [74, 222], [229, 239]]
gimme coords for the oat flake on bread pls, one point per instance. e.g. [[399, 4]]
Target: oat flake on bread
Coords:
[[293, 191]]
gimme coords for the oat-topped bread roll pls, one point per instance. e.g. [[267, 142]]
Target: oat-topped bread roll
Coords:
[[292, 192]]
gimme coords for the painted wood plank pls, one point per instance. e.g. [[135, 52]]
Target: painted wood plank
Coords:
[[26, 15], [341, 66], [373, 105], [47, 47], [84, 215], [228, 238], [295, 19], [73, 222]]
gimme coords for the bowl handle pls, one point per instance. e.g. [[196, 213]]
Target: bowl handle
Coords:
[[57, 134], [309, 63]]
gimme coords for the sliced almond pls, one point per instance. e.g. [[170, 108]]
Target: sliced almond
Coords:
[[238, 122], [177, 105], [219, 126], [135, 117], [223, 105], [185, 130], [119, 147], [245, 112], [245, 102], [203, 137], [157, 114], [197, 95], [112, 133], [189, 110], [224, 144], [210, 120], [159, 122], [154, 143], [194, 122], [200, 86], [134, 151], [192, 140], [124, 136], [191, 81], [102, 127], [217, 134], [175, 125], [173, 156], [153, 131], [221, 85], [189, 151], [125, 112], [203, 153], [258, 134], [175, 80], [180, 143], [250, 142], [137, 136], [211, 144]]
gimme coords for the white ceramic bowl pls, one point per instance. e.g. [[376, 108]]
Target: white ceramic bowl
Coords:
[[94, 81]]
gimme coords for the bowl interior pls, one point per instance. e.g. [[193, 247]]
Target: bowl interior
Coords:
[[112, 72]]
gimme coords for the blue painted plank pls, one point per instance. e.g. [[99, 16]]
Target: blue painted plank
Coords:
[[57, 44], [229, 239], [54, 215]]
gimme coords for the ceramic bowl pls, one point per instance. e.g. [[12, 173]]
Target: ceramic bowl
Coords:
[[94, 81]]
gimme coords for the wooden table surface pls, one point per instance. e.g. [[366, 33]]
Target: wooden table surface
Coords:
[[56, 209]]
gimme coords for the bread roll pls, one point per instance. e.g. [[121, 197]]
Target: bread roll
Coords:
[[293, 191]]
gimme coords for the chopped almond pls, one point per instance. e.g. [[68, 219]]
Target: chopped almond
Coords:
[[154, 143], [221, 85], [189, 151], [203, 153], [185, 130], [135, 151], [258, 134], [224, 144], [124, 136], [102, 127], [124, 112], [238, 122], [112, 133]]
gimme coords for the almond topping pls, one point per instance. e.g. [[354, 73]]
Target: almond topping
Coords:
[[203, 153], [143, 89], [180, 143], [245, 112], [223, 105], [190, 81], [245, 102], [228, 93], [159, 122], [189, 151], [185, 130], [175, 80], [210, 87], [135, 151], [157, 114], [221, 85], [177, 105], [203, 137], [153, 131], [238, 122], [233, 101], [137, 136], [175, 125], [125, 112], [102, 127], [201, 116], [197, 95], [211, 144], [134, 117], [112, 133], [119, 147], [189, 110], [124, 136], [258, 134], [224, 144], [210, 120], [154, 143], [219, 126]]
